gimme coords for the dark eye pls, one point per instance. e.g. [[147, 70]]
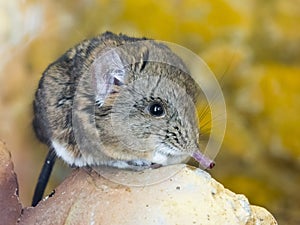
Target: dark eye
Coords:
[[156, 109]]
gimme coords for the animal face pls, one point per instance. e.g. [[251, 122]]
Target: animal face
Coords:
[[153, 117]]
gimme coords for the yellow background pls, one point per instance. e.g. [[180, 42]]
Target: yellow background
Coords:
[[252, 46]]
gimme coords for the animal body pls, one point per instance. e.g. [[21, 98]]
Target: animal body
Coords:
[[119, 101]]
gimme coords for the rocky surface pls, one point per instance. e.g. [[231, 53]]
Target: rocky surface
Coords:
[[186, 196], [189, 197], [10, 207]]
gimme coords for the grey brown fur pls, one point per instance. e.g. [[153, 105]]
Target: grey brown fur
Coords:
[[118, 131]]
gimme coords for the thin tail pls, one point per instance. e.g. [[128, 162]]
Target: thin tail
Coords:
[[44, 177]]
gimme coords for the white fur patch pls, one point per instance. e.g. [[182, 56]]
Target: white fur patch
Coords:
[[165, 155], [161, 154], [118, 164], [62, 152], [160, 158]]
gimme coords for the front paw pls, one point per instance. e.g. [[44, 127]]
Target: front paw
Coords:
[[139, 164], [135, 164]]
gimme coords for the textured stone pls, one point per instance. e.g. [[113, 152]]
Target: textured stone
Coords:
[[10, 207], [189, 196]]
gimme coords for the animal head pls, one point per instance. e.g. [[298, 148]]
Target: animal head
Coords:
[[144, 104]]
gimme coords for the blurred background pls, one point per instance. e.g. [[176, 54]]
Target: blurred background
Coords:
[[252, 46]]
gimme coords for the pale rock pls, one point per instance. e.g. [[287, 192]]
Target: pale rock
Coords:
[[175, 194]]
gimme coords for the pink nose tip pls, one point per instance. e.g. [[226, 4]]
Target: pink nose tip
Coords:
[[212, 165]]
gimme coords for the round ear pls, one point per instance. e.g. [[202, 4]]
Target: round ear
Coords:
[[107, 70]]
